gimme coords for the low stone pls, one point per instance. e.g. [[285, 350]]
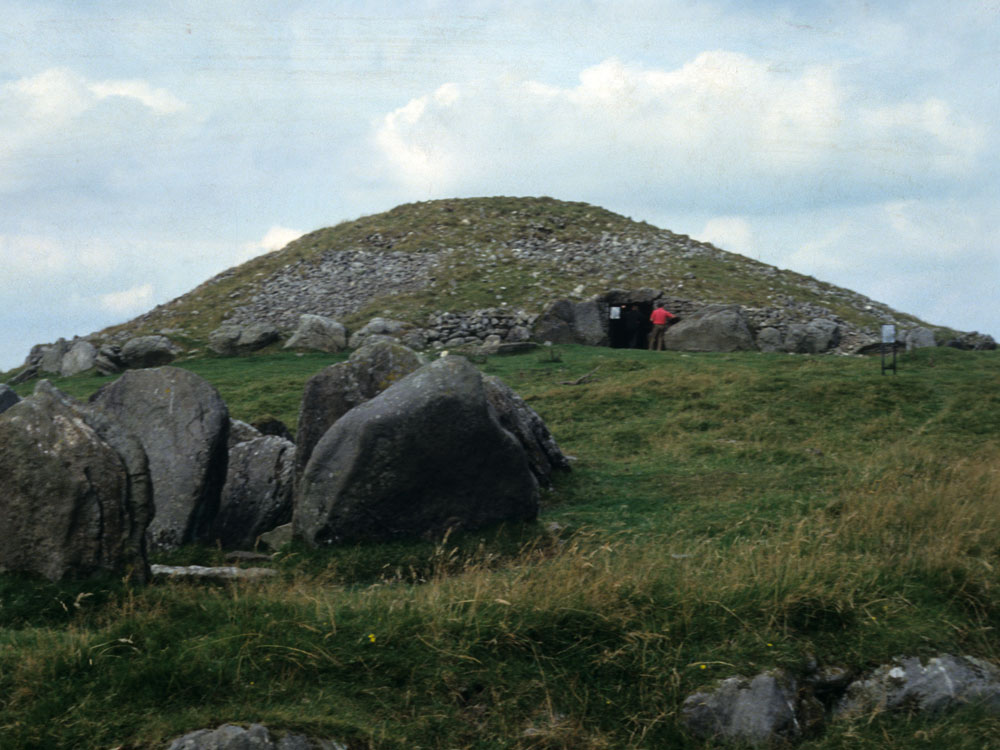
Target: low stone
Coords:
[[815, 337], [257, 495], [318, 333], [148, 351], [941, 683], [218, 573], [29, 372], [769, 340], [109, 360], [79, 358], [254, 737], [425, 455], [277, 537], [377, 326], [517, 334], [52, 354], [7, 397], [758, 710]]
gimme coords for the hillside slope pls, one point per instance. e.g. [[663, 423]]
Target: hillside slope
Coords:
[[466, 254]]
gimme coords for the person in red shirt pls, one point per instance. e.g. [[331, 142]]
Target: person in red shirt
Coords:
[[659, 318]]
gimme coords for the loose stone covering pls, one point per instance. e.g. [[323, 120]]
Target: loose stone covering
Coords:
[[257, 495], [182, 424], [425, 455], [337, 389], [76, 499]]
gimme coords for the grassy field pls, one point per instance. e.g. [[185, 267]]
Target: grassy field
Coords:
[[727, 513]]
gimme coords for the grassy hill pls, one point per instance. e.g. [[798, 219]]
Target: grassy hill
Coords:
[[576, 250], [726, 514]]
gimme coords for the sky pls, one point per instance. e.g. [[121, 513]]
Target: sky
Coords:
[[145, 147]]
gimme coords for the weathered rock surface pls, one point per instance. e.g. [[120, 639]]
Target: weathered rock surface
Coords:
[[109, 360], [815, 337], [941, 683], [756, 710], [919, 338], [523, 422], [76, 499], [148, 351], [337, 389], [715, 328], [240, 432], [79, 358], [557, 323], [254, 737], [318, 333], [213, 573], [424, 455], [182, 424], [232, 339], [257, 495], [7, 397], [51, 357]]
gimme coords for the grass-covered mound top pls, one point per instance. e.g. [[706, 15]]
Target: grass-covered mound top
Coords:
[[726, 514], [473, 253]]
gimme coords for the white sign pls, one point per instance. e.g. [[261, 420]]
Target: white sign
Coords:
[[889, 334], [615, 312]]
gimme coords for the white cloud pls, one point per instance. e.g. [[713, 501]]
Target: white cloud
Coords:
[[31, 256], [724, 127], [128, 301], [274, 238], [158, 100]]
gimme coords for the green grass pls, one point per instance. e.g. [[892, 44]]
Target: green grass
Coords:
[[727, 513]]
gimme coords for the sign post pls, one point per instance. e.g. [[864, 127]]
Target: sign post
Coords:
[[889, 341]]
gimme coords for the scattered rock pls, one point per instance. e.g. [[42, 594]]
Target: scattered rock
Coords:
[[425, 455], [182, 423], [148, 351], [318, 333], [378, 326], [257, 495], [76, 497], [277, 537]]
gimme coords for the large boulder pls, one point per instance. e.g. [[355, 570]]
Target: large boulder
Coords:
[[714, 328], [425, 455], [556, 323], [769, 339], [182, 423], [318, 333], [229, 340], [337, 389], [943, 682], [257, 495], [148, 351], [919, 338], [241, 432], [7, 397], [109, 360], [80, 357], [590, 322], [523, 422], [77, 494]]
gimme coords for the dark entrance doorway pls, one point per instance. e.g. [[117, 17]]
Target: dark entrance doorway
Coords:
[[630, 329]]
